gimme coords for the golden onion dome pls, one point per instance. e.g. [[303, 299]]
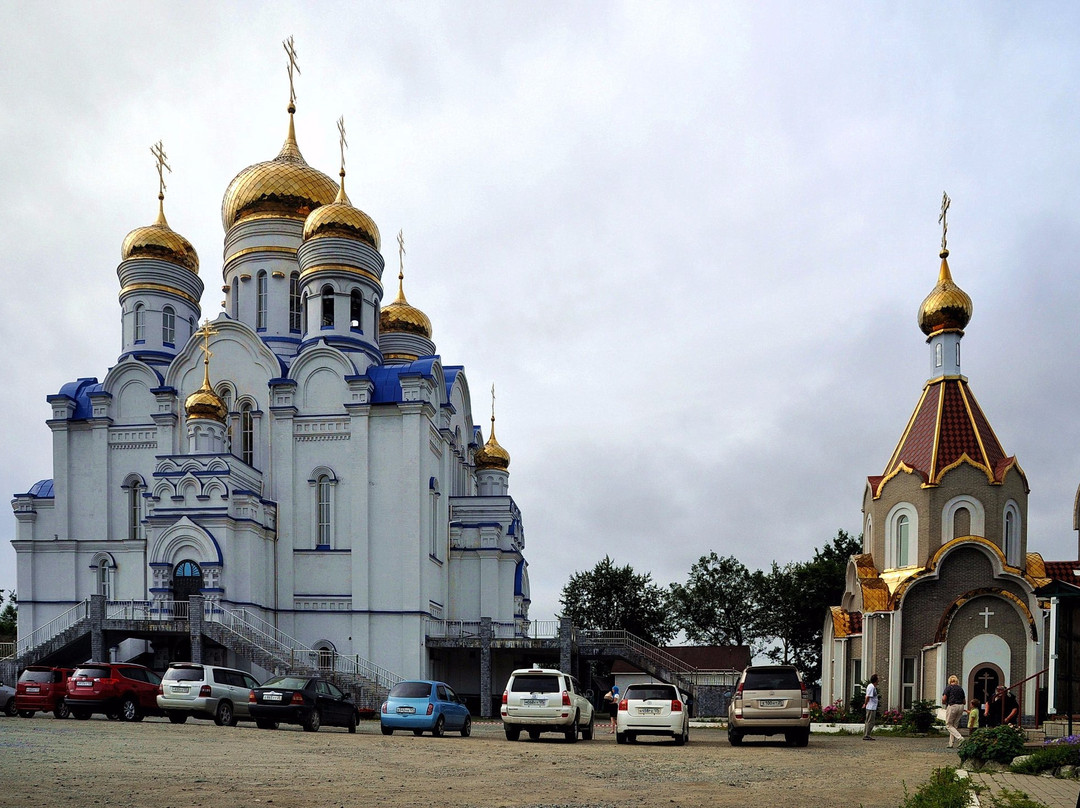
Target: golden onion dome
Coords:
[[491, 455], [947, 307], [340, 219], [285, 187], [204, 402], [401, 318], [160, 241]]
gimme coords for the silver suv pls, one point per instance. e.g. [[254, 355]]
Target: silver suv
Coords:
[[770, 700], [205, 691], [545, 700]]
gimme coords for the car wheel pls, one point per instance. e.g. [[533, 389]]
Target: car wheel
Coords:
[[804, 737], [466, 728], [9, 707], [26, 713], [61, 710], [679, 739], [224, 715], [512, 733], [587, 733], [571, 732], [417, 732], [129, 709], [314, 721], [440, 726], [734, 737], [631, 737], [177, 718], [534, 734], [265, 723], [113, 714], [352, 724], [792, 738], [620, 737], [386, 730], [81, 715]]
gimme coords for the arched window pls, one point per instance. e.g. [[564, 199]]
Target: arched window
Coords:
[[433, 492], [1011, 537], [294, 301], [260, 300], [868, 536], [187, 580], [356, 310], [903, 539], [247, 434], [937, 355], [235, 299], [135, 492], [961, 523], [327, 307], [140, 323], [325, 656], [901, 535], [324, 510], [105, 578], [168, 325]]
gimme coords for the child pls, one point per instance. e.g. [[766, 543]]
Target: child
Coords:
[[973, 716]]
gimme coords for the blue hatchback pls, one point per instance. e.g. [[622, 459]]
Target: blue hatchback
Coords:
[[424, 707]]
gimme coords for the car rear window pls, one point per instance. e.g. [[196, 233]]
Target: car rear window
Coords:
[[410, 690], [92, 673], [535, 683], [288, 682], [184, 674], [772, 679], [39, 676], [650, 692]]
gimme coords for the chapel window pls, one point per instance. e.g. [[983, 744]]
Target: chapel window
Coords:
[[105, 578], [356, 307], [1012, 536], [140, 323], [247, 434], [903, 526], [327, 307], [168, 325], [937, 355], [260, 301], [135, 491], [294, 301], [324, 510]]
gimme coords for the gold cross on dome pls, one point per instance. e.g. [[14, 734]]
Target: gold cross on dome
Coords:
[[401, 251], [162, 165], [206, 331], [492, 402], [290, 51], [342, 142], [944, 221]]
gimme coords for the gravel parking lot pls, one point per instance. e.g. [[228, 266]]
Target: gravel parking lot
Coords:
[[46, 762]]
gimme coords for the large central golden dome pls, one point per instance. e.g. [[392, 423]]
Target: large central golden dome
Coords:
[[285, 187]]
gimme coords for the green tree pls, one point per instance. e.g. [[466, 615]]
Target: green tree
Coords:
[[719, 603], [8, 617], [609, 598]]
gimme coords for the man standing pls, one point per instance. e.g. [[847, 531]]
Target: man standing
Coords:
[[870, 702]]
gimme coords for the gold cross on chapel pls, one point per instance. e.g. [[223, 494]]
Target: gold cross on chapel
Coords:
[[342, 142], [206, 331], [944, 222], [290, 51], [401, 252], [162, 166]]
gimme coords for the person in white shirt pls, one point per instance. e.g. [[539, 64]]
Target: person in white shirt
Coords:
[[870, 703]]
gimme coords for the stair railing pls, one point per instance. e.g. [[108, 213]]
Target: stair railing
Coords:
[[58, 625]]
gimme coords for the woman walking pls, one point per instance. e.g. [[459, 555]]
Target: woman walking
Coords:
[[953, 699]]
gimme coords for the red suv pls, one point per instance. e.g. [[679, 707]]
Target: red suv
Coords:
[[117, 689], [42, 690]]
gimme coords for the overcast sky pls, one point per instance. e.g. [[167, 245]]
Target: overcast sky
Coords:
[[686, 241]]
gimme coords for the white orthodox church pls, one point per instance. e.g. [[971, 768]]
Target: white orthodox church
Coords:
[[306, 457]]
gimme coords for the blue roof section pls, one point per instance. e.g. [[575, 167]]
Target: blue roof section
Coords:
[[42, 489], [451, 372], [387, 378], [79, 391]]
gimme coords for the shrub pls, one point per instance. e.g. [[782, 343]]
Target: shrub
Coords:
[[891, 718], [999, 744], [920, 717], [943, 790], [1059, 752]]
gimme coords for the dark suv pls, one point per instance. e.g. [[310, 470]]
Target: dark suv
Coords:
[[42, 689], [117, 689]]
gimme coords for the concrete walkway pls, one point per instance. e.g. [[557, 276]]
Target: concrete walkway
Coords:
[[1048, 790]]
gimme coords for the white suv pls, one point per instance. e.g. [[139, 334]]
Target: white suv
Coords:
[[545, 700], [205, 691]]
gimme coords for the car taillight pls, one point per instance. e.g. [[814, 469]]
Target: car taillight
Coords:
[[565, 699], [802, 686], [676, 706], [297, 698], [161, 690], [430, 708], [251, 697], [623, 705], [504, 697], [204, 691]]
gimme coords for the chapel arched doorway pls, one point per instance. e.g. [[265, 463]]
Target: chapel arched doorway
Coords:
[[187, 580], [984, 681]]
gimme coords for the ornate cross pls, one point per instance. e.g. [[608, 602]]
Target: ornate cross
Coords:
[[344, 144], [290, 51], [401, 251], [492, 405], [162, 165], [206, 331], [944, 222], [986, 614]]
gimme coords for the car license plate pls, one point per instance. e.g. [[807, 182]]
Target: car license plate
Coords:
[[179, 689], [406, 710], [271, 697], [33, 690], [649, 710], [84, 684], [534, 702], [770, 702]]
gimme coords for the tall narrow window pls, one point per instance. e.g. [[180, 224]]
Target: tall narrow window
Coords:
[[433, 491], [323, 506], [294, 301], [235, 299], [140, 323], [168, 325], [327, 307], [356, 310], [937, 355], [105, 578], [247, 434], [135, 491], [260, 300], [1012, 538], [907, 677], [903, 525]]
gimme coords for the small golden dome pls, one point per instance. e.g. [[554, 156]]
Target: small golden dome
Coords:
[[205, 403], [342, 220], [947, 307], [491, 455], [286, 187], [160, 241], [401, 318]]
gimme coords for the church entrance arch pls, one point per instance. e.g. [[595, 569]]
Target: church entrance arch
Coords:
[[983, 681], [187, 580]]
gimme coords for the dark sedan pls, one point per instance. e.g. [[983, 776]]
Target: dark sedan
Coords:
[[309, 702]]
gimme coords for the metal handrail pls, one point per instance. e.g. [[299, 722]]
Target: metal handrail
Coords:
[[7, 650], [637, 644], [1020, 698], [544, 629], [58, 624], [147, 610]]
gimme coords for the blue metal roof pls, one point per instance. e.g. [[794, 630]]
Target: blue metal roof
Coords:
[[42, 489], [79, 391], [387, 378]]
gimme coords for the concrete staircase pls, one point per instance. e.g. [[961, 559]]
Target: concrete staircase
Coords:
[[640, 653]]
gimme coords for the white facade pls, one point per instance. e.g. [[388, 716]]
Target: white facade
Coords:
[[340, 497]]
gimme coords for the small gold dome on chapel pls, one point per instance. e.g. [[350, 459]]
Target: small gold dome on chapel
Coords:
[[947, 307], [159, 241]]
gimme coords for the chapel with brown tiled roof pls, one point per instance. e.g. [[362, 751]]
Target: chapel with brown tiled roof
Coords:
[[945, 583]]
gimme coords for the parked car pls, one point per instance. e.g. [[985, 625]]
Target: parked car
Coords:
[[205, 691], [42, 689], [655, 709], [770, 700], [424, 706], [310, 702], [7, 699], [117, 689], [545, 700]]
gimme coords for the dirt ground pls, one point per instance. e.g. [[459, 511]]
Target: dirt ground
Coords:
[[46, 762]]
